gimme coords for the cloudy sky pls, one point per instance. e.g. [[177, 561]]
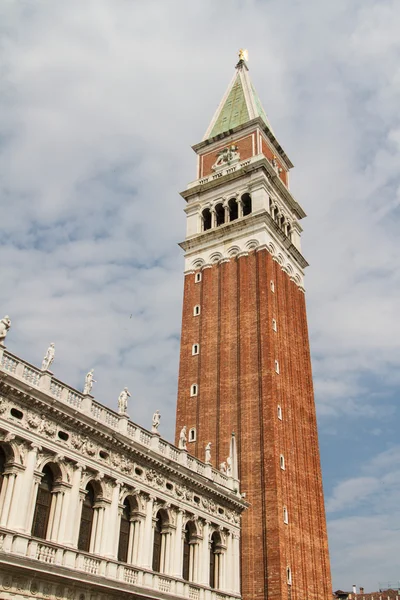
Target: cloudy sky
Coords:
[[100, 102]]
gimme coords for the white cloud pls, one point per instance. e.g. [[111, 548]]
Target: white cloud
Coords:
[[99, 104]]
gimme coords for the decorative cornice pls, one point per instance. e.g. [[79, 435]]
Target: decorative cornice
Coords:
[[259, 162]]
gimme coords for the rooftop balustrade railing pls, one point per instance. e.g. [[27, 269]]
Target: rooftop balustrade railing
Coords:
[[44, 381], [75, 562]]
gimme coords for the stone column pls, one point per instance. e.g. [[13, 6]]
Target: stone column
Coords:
[[24, 495], [112, 523], [132, 527], [73, 514], [178, 546], [226, 209], [56, 526], [236, 563], [204, 574], [213, 218], [8, 485], [137, 532], [240, 207], [96, 541], [148, 537]]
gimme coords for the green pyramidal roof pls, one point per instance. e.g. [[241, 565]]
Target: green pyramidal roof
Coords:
[[239, 105]]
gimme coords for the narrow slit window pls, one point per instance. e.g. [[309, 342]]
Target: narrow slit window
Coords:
[[195, 349], [282, 462], [274, 325], [279, 412], [289, 576], [277, 367], [272, 286], [197, 278], [196, 310], [192, 435], [285, 515], [194, 389]]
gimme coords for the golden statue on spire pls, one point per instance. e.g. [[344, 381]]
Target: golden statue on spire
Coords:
[[243, 54]]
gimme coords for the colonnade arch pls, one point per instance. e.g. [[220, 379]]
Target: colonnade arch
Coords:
[[226, 211]]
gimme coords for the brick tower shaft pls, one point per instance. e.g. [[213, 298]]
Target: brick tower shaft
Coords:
[[245, 361]]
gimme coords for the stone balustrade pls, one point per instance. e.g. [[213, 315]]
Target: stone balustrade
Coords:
[[60, 392], [40, 554]]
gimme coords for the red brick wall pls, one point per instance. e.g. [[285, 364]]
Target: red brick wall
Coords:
[[266, 150], [245, 146], [240, 391]]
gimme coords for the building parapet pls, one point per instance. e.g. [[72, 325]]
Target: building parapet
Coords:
[[58, 392]]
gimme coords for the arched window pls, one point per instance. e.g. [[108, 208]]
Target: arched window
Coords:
[[246, 199], [206, 215], [159, 545], [192, 435], [124, 528], [233, 209], [189, 551], [289, 231], [215, 562], [219, 214], [85, 530], [285, 515], [43, 504], [129, 531], [276, 214]]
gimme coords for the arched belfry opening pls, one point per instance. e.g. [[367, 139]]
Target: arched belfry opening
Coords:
[[206, 216], [233, 209], [246, 201]]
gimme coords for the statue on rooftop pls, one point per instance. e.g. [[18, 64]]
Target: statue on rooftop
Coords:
[[123, 401], [243, 54], [5, 325], [208, 454], [49, 357], [156, 421], [222, 467], [89, 381], [182, 439]]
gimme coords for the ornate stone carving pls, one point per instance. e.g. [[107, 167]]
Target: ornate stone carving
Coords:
[[126, 465], [6, 582], [33, 420], [115, 459], [90, 447], [34, 587], [226, 156], [47, 427], [3, 405], [77, 441]]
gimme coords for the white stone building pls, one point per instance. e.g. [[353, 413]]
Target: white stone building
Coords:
[[94, 507]]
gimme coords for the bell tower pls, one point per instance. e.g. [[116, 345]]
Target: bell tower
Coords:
[[245, 360]]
